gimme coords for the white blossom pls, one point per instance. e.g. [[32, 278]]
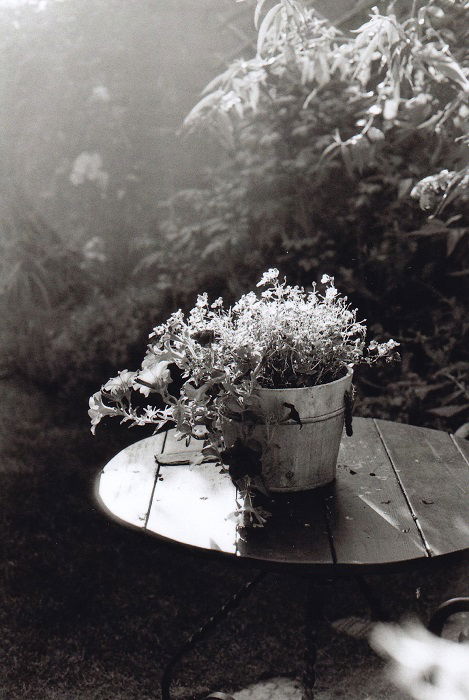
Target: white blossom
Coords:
[[268, 277]]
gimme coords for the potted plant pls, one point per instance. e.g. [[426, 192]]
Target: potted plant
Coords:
[[265, 383]]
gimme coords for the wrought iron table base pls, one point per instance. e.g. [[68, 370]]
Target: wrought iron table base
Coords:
[[388, 474], [230, 605], [313, 615]]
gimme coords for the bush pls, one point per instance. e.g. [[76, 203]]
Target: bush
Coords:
[[326, 136], [89, 342]]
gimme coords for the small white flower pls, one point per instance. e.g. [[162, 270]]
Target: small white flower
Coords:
[[326, 278], [150, 412], [156, 376], [101, 93], [202, 301], [97, 410], [267, 294], [158, 331], [270, 276], [229, 100], [120, 385], [89, 166]]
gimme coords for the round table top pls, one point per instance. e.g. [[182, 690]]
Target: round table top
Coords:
[[400, 496]]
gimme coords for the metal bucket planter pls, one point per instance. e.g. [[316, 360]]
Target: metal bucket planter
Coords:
[[296, 456]]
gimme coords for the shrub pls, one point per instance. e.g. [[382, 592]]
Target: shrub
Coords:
[[90, 341], [326, 135]]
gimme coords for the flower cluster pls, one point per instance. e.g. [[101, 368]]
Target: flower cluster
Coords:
[[284, 336], [430, 190]]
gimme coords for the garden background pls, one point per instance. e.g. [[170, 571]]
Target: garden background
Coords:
[[114, 214]]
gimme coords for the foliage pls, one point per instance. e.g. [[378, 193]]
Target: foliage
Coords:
[[325, 139], [89, 117], [315, 179], [286, 337], [89, 114], [37, 269], [60, 312], [437, 191], [92, 339], [41, 277], [60, 308], [386, 64]]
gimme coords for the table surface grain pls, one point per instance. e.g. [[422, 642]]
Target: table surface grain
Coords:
[[400, 496]]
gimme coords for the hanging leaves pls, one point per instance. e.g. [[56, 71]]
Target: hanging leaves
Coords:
[[449, 411], [388, 54], [257, 12], [293, 414], [445, 65]]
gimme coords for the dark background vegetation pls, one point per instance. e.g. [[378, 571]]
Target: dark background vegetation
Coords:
[[111, 217]]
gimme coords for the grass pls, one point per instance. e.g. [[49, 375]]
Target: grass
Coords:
[[92, 611]]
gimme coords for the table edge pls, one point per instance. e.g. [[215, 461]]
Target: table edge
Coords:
[[324, 568]]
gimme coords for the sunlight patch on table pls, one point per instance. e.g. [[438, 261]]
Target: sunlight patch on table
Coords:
[[126, 483], [191, 504]]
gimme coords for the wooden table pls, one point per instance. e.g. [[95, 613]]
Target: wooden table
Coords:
[[400, 498]]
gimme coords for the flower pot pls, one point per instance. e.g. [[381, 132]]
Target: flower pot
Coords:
[[296, 457]]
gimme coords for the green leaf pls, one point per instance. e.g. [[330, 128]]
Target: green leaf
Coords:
[[257, 13], [431, 228], [390, 110], [453, 238], [210, 451], [404, 187], [266, 25], [448, 411], [293, 415], [325, 69], [462, 431], [207, 102], [445, 64], [347, 159], [367, 55]]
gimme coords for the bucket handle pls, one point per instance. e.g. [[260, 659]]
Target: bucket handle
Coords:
[[348, 402]]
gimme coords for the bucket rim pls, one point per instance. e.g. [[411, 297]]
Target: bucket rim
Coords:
[[312, 386]]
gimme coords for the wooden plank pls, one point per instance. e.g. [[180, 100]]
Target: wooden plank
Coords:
[[392, 480], [463, 446], [435, 479], [192, 504], [369, 518], [296, 532], [126, 483], [177, 452]]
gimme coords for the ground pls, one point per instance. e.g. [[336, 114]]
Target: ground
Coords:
[[92, 611]]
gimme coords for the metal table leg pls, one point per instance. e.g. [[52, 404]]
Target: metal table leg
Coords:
[[204, 630], [377, 609], [313, 614], [444, 612]]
